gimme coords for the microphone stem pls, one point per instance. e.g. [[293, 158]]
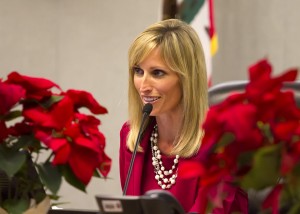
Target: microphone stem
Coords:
[[133, 155]]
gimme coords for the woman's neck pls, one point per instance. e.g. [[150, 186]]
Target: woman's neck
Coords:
[[168, 132]]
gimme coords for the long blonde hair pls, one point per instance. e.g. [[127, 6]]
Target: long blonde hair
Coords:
[[182, 51]]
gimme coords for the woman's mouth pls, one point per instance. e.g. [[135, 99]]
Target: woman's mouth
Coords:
[[150, 99]]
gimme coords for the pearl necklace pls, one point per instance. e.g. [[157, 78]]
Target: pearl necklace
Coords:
[[165, 178]]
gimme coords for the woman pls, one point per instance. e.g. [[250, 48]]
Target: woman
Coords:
[[166, 69]]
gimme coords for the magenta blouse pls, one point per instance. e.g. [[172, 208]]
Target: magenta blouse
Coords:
[[185, 190]]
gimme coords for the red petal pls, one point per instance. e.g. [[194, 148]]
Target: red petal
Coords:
[[3, 131], [261, 69], [9, 95], [85, 99], [83, 163], [272, 200], [87, 143], [57, 117], [62, 150], [190, 169], [72, 130], [105, 164], [30, 83]]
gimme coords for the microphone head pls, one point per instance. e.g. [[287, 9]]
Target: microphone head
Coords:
[[147, 108]]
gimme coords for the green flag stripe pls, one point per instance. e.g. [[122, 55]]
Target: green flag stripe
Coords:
[[189, 9]]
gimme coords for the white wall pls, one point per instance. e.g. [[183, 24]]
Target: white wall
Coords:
[[251, 30], [80, 44]]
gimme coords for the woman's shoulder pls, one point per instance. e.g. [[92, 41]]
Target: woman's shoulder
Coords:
[[125, 128], [126, 125]]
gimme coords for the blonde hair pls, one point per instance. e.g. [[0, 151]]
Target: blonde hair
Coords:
[[182, 51]]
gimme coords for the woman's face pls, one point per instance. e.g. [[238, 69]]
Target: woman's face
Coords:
[[158, 85]]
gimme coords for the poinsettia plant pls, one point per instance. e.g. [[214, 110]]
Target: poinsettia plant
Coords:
[[43, 129], [252, 140]]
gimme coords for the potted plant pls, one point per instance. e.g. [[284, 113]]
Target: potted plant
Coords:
[[45, 136], [252, 140]]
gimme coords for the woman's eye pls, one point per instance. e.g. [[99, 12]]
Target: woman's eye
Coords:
[[158, 73], [138, 71]]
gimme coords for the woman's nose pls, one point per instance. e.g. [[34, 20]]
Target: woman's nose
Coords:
[[145, 84]]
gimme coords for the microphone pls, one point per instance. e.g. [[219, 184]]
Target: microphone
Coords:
[[146, 112]]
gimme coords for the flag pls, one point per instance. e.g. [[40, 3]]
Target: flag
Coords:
[[200, 15]]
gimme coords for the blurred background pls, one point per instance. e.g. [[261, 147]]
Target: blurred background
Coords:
[[82, 44]]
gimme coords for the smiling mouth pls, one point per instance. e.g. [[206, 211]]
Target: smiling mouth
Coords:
[[150, 99]]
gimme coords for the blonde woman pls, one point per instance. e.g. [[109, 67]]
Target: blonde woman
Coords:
[[166, 69]]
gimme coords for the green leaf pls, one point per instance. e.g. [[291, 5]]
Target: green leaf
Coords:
[[97, 174], [72, 179], [295, 209], [225, 139], [16, 206], [26, 141], [11, 160], [245, 158], [265, 169], [296, 170], [266, 131], [53, 99], [53, 197], [50, 176], [291, 191], [12, 115]]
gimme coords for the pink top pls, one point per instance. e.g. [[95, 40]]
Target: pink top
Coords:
[[185, 190]]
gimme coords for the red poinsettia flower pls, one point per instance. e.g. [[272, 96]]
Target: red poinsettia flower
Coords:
[[36, 88], [85, 141], [262, 84], [247, 133], [265, 91], [79, 152], [89, 125], [71, 144], [33, 118], [56, 117]]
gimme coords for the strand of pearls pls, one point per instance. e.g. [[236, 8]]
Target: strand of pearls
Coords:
[[165, 178]]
